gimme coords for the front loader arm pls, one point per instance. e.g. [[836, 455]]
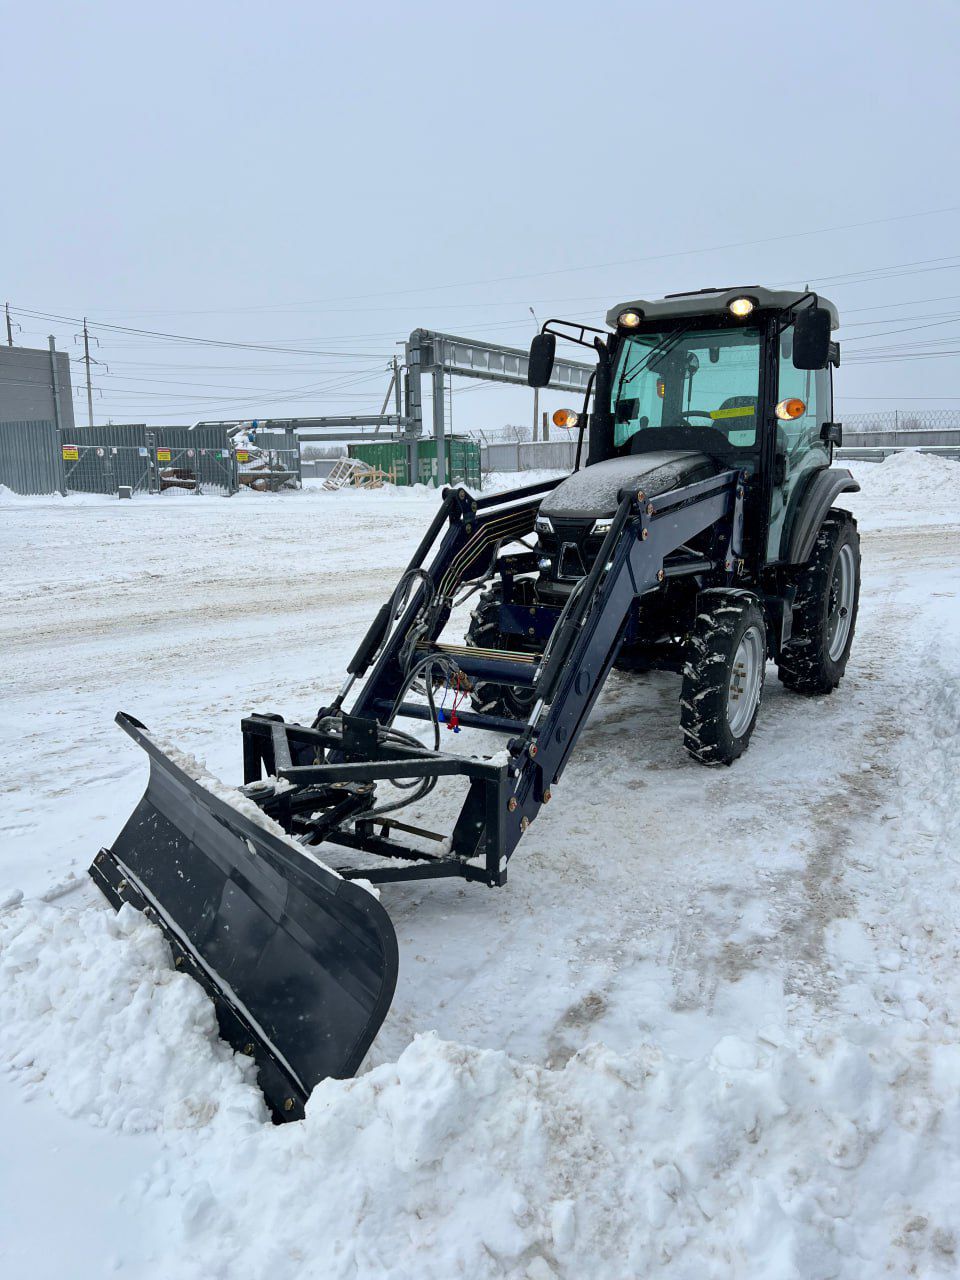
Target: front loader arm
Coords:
[[587, 640], [300, 962]]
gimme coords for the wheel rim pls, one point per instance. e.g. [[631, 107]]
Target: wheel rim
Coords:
[[745, 677], [840, 603]]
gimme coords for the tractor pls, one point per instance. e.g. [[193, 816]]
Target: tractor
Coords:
[[686, 387], [699, 536]]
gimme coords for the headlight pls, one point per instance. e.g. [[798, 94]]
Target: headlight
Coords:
[[542, 524], [602, 526]]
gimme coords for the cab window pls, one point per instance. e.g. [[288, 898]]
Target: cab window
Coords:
[[707, 379], [799, 448]]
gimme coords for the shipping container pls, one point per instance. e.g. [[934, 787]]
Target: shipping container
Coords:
[[390, 456]]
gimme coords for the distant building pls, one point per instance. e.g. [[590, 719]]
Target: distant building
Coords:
[[28, 390]]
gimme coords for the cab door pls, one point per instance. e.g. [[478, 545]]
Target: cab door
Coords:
[[799, 447]]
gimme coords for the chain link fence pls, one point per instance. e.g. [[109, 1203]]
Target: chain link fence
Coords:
[[904, 420], [903, 428]]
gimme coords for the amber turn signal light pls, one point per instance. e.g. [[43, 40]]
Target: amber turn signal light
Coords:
[[565, 418], [789, 409]]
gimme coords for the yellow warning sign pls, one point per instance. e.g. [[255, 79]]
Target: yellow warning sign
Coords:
[[163, 455], [242, 455], [70, 453]]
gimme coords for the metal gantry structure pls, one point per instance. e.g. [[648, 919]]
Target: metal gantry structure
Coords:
[[440, 356], [444, 355]]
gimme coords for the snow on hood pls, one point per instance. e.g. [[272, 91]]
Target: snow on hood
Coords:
[[593, 491]]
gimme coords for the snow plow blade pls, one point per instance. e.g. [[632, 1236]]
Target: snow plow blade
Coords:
[[301, 964]]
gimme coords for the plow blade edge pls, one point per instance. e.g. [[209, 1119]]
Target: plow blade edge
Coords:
[[301, 965]]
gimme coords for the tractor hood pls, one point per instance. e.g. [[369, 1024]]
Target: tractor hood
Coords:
[[593, 491]]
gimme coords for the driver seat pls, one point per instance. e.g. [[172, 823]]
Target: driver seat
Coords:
[[726, 425]]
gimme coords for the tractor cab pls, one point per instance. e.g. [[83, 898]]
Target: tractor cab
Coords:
[[687, 386]]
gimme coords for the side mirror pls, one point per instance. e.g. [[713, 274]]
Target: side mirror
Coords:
[[543, 349], [811, 339]]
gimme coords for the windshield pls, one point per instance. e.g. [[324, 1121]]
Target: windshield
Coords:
[[705, 378]]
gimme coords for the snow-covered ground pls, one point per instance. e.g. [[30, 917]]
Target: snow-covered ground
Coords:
[[709, 1027]]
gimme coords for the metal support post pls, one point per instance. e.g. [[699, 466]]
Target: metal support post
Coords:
[[439, 434], [414, 394], [414, 415], [55, 382]]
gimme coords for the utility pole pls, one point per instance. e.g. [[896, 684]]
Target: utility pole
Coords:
[[386, 398], [536, 390], [9, 325], [88, 360]]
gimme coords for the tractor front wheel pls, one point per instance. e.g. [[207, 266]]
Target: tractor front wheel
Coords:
[[724, 660]]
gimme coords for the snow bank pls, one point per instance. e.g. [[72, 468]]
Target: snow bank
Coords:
[[8, 498], [456, 1161], [93, 1012], [922, 477], [907, 488]]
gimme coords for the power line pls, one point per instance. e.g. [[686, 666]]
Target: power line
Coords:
[[599, 266], [204, 342], [912, 302], [889, 271], [867, 337]]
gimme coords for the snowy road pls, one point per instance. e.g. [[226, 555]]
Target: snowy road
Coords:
[[798, 908]]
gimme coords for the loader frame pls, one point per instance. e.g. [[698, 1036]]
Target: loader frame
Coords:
[[343, 752]]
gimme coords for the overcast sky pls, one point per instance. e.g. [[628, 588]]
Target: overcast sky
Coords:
[[329, 177]]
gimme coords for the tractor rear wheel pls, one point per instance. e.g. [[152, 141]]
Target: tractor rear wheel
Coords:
[[724, 660], [825, 609], [512, 701]]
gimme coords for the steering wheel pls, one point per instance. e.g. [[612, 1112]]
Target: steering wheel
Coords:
[[696, 413]]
